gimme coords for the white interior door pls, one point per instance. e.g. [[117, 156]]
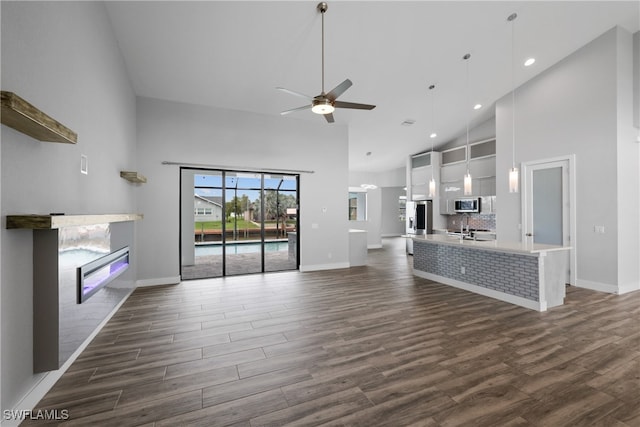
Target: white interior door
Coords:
[[548, 215]]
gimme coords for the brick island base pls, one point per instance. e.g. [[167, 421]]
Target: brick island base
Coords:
[[529, 275]]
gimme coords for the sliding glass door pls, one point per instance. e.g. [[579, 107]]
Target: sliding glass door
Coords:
[[235, 222]]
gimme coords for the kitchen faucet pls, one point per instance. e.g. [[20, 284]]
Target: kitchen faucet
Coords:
[[462, 226]]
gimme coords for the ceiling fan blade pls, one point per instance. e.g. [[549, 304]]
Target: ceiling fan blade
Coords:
[[291, 92], [356, 106], [339, 90], [306, 107], [329, 117]]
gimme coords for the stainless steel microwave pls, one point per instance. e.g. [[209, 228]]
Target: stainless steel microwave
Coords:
[[467, 205]]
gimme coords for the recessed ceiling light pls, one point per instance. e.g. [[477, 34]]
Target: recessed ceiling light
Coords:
[[433, 135], [477, 106], [408, 122], [529, 62]]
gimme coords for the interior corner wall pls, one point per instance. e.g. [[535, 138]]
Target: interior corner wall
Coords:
[[377, 208], [480, 132], [636, 83], [63, 58], [628, 178], [391, 224], [176, 132], [562, 112]]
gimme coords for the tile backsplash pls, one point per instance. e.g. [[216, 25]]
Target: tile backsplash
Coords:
[[477, 221]]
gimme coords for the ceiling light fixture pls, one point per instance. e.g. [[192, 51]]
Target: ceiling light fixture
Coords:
[[529, 61], [433, 135], [513, 172], [477, 106], [432, 181], [467, 177], [322, 106]]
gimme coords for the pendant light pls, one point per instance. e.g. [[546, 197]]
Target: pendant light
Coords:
[[513, 172], [467, 177], [432, 181]]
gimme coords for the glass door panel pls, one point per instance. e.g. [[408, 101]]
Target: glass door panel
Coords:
[[201, 216], [280, 198], [243, 236]]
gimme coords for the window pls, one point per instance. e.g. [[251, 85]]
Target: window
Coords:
[[357, 206], [203, 211]]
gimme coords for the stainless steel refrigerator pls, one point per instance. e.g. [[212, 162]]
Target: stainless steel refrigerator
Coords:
[[419, 220]]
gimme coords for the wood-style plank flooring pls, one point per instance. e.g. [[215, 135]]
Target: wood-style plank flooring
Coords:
[[366, 346]]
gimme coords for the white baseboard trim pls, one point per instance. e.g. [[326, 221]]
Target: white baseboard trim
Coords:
[[376, 246], [158, 281], [512, 299], [629, 287], [318, 267], [607, 287], [597, 286], [391, 235], [47, 381]]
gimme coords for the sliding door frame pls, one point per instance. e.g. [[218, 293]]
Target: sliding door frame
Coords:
[[223, 174]]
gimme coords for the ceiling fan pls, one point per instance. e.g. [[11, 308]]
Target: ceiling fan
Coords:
[[326, 103]]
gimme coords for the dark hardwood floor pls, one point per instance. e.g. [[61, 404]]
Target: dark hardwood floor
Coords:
[[366, 346]]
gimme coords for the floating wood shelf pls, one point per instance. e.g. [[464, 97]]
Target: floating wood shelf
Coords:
[[24, 117], [133, 177], [48, 222]]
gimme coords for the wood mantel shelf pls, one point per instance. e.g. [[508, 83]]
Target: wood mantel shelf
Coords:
[[49, 222], [24, 117], [134, 177]]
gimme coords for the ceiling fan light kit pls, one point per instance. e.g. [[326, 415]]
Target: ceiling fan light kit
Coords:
[[326, 103], [322, 106]]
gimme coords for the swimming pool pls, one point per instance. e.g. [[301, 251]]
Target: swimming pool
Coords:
[[241, 248]]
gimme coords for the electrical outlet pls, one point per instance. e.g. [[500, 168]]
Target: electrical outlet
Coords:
[[463, 270], [598, 229], [329, 255]]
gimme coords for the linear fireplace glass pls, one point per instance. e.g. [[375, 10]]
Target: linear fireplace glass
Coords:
[[96, 274]]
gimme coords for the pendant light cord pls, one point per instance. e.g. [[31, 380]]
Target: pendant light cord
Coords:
[[513, 95], [433, 120], [466, 57], [322, 12]]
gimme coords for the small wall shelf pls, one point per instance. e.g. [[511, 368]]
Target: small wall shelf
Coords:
[[133, 177], [24, 117], [49, 222]]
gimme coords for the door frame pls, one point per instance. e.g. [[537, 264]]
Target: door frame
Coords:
[[568, 163], [183, 240]]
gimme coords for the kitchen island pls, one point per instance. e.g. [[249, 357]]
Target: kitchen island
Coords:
[[526, 274]]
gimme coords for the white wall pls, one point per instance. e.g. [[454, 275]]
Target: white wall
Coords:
[[391, 224], [571, 108], [628, 178], [485, 130], [62, 57], [169, 131], [373, 224]]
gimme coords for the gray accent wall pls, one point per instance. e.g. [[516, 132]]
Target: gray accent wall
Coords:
[[582, 106], [63, 58]]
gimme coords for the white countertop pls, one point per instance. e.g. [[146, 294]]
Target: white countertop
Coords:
[[492, 245]]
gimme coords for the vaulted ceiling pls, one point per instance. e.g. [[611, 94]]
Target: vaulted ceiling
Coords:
[[233, 54]]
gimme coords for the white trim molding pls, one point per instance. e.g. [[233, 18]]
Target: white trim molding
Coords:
[[158, 281]]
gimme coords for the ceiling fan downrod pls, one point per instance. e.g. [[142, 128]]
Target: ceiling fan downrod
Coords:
[[322, 8]]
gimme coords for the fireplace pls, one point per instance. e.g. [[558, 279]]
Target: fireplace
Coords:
[[96, 274]]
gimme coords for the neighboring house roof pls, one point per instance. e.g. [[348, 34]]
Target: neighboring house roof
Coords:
[[212, 200]]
